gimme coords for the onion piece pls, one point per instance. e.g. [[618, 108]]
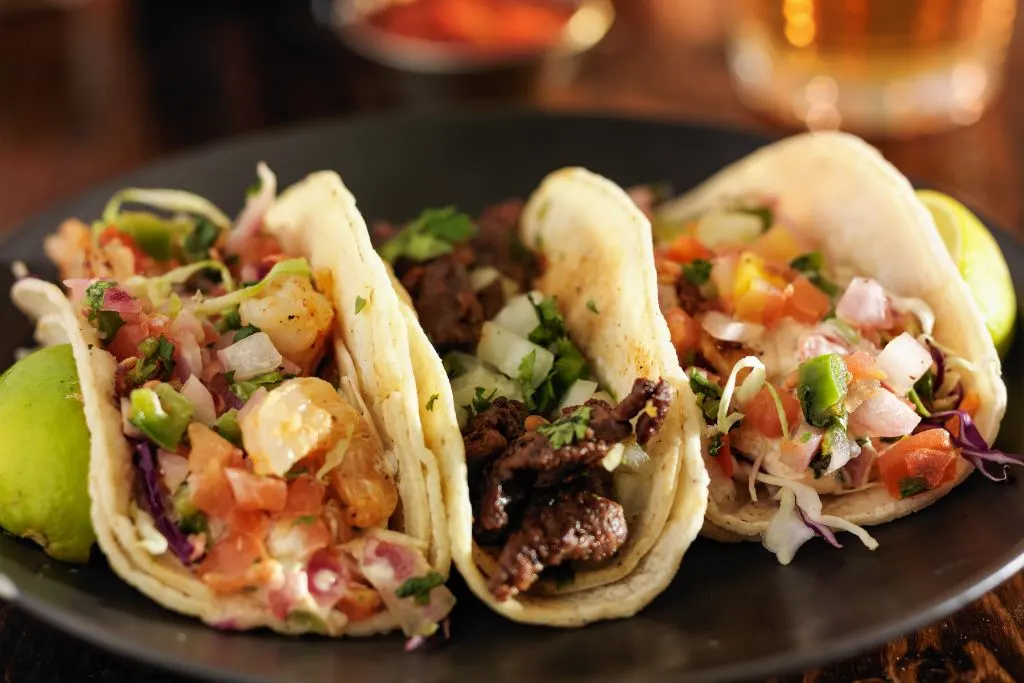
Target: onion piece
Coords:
[[507, 350], [253, 356], [578, 393], [725, 328], [903, 360], [883, 414], [482, 277], [519, 315], [865, 304], [173, 468], [202, 401], [250, 220], [253, 403]]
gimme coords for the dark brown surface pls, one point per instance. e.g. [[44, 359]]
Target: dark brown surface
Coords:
[[89, 93]]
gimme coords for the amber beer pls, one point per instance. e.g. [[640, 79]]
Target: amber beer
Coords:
[[891, 66]]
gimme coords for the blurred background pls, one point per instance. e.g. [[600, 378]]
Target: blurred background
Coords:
[[90, 88]]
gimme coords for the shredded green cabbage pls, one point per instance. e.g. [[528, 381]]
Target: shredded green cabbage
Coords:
[[294, 266], [174, 201], [158, 289], [750, 386]]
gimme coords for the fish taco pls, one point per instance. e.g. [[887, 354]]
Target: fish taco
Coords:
[[251, 463]]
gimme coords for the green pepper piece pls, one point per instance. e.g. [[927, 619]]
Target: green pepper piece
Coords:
[[153, 234], [190, 519], [822, 388], [162, 414], [227, 426]]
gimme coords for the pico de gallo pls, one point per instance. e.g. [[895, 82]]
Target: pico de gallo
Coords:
[[255, 464], [812, 381]]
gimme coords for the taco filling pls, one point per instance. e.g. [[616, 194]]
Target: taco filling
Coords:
[[813, 381], [255, 464], [541, 436]]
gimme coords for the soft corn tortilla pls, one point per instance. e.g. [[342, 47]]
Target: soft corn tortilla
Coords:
[[597, 246], [312, 219], [841, 196]]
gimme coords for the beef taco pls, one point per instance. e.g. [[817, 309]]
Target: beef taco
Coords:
[[845, 373], [249, 465], [551, 394]]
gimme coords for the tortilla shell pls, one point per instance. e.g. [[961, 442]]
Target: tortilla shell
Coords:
[[580, 222], [841, 196], [312, 219]]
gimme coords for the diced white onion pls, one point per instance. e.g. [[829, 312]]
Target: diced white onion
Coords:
[[843, 450], [483, 276], [723, 327], [903, 360], [464, 389], [518, 315], [461, 363], [578, 394], [506, 350], [720, 226], [202, 402], [634, 458], [253, 356], [613, 458]]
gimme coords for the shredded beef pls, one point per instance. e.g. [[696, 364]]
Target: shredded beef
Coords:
[[692, 301], [497, 243], [572, 525], [488, 434], [443, 296]]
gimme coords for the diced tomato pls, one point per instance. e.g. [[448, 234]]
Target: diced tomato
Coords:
[[685, 331], [210, 448], [686, 248], [249, 523], [228, 565], [668, 271], [253, 492], [805, 303], [359, 602], [918, 463], [125, 343], [970, 402], [305, 495], [862, 366], [725, 459], [211, 492], [761, 413]]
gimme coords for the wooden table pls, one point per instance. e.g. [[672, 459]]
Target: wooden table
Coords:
[[88, 93]]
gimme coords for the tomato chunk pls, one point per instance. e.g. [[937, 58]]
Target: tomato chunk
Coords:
[[686, 248], [862, 366], [918, 463], [685, 331], [761, 413], [305, 495], [805, 303], [253, 492], [229, 564]]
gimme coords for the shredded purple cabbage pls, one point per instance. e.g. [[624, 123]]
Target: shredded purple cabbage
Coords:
[[940, 364], [972, 444], [819, 529], [155, 502]]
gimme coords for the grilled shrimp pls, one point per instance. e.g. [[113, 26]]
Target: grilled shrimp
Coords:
[[307, 416], [296, 317]]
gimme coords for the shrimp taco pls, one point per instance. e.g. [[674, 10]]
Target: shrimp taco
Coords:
[[549, 390], [844, 372], [249, 465]]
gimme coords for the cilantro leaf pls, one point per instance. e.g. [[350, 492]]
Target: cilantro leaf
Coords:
[[526, 366], [418, 587], [106, 322], [231, 320], [360, 304], [244, 332], [432, 234], [911, 486], [565, 430], [715, 446], [155, 362], [196, 245], [552, 324], [430, 403], [697, 272], [592, 306], [810, 264], [765, 213]]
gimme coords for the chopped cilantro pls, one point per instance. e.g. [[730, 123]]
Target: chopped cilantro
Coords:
[[254, 189], [418, 587], [819, 463], [563, 431], [481, 401], [305, 520], [911, 486], [552, 324], [918, 403], [697, 271], [805, 437], [708, 394], [244, 332], [231, 320], [810, 264], [592, 306], [526, 366], [106, 322], [196, 245], [765, 213], [296, 473], [433, 399], [155, 362], [569, 364], [430, 235], [360, 304], [715, 446], [227, 426]]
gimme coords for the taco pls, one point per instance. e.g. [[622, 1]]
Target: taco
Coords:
[[249, 466], [550, 392], [844, 372]]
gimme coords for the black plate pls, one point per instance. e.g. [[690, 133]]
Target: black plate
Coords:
[[732, 611]]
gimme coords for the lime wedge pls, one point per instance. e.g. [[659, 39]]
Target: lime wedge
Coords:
[[980, 262]]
